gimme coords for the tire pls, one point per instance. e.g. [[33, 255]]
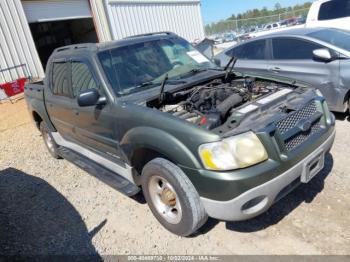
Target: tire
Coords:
[[172, 197], [50, 143]]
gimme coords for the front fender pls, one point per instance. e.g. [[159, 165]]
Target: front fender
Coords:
[[161, 142]]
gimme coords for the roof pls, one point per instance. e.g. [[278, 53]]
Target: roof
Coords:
[[288, 32], [93, 47], [297, 31], [136, 39]]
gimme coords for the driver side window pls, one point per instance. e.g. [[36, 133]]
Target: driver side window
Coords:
[[82, 78], [293, 49]]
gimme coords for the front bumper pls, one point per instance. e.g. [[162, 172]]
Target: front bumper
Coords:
[[258, 199]]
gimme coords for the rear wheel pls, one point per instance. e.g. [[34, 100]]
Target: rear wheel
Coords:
[[49, 141], [172, 198]]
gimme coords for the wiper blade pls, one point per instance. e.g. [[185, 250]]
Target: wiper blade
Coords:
[[216, 68], [149, 83], [193, 71], [168, 82]]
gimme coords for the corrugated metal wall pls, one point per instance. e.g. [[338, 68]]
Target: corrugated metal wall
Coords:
[[53, 10], [16, 43], [182, 17], [100, 20]]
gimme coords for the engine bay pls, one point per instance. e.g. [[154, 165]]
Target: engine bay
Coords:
[[210, 105]]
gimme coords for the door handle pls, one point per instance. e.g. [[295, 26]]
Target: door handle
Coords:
[[76, 112], [275, 69]]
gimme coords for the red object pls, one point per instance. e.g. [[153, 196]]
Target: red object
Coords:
[[15, 87], [203, 121]]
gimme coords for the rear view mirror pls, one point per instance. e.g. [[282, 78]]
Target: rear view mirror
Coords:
[[323, 54], [90, 97]]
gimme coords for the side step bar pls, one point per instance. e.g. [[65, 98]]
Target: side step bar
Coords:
[[105, 175]]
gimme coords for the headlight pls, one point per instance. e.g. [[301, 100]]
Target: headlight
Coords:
[[232, 153]]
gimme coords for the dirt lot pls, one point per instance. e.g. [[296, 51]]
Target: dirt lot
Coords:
[[49, 206]]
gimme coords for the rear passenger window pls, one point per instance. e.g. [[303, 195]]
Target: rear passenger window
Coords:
[[334, 9], [82, 78], [253, 50], [60, 84], [289, 49]]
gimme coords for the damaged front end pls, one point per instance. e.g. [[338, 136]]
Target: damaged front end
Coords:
[[232, 106]]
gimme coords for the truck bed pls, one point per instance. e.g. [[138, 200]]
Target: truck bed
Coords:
[[34, 90], [34, 95]]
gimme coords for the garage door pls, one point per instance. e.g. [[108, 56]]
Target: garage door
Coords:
[[54, 10]]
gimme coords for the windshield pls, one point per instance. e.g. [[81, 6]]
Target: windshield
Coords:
[[141, 66], [339, 38]]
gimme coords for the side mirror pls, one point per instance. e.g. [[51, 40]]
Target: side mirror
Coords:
[[90, 97], [217, 61], [323, 54]]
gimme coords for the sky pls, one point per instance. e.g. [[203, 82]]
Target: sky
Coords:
[[215, 10]]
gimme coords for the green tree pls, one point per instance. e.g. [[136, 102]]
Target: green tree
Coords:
[[278, 6]]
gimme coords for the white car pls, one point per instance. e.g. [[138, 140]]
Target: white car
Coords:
[[329, 13], [272, 26], [219, 40]]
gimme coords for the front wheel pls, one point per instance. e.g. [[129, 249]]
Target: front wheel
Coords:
[[172, 197]]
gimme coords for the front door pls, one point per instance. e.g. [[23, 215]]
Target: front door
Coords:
[[94, 125], [293, 58]]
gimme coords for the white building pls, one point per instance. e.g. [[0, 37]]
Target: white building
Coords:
[[31, 29]]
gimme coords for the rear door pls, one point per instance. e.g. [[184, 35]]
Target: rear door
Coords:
[[94, 125], [59, 100], [293, 58], [252, 56]]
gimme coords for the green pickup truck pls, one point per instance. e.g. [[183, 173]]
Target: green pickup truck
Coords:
[[152, 113]]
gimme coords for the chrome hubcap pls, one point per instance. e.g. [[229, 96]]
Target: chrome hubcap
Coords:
[[165, 199]]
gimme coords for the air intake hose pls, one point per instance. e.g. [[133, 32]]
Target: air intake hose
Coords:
[[229, 103]]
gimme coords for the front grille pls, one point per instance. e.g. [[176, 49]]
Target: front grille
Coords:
[[292, 120], [300, 138]]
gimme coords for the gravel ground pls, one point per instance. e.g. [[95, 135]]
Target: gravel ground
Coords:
[[49, 206]]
